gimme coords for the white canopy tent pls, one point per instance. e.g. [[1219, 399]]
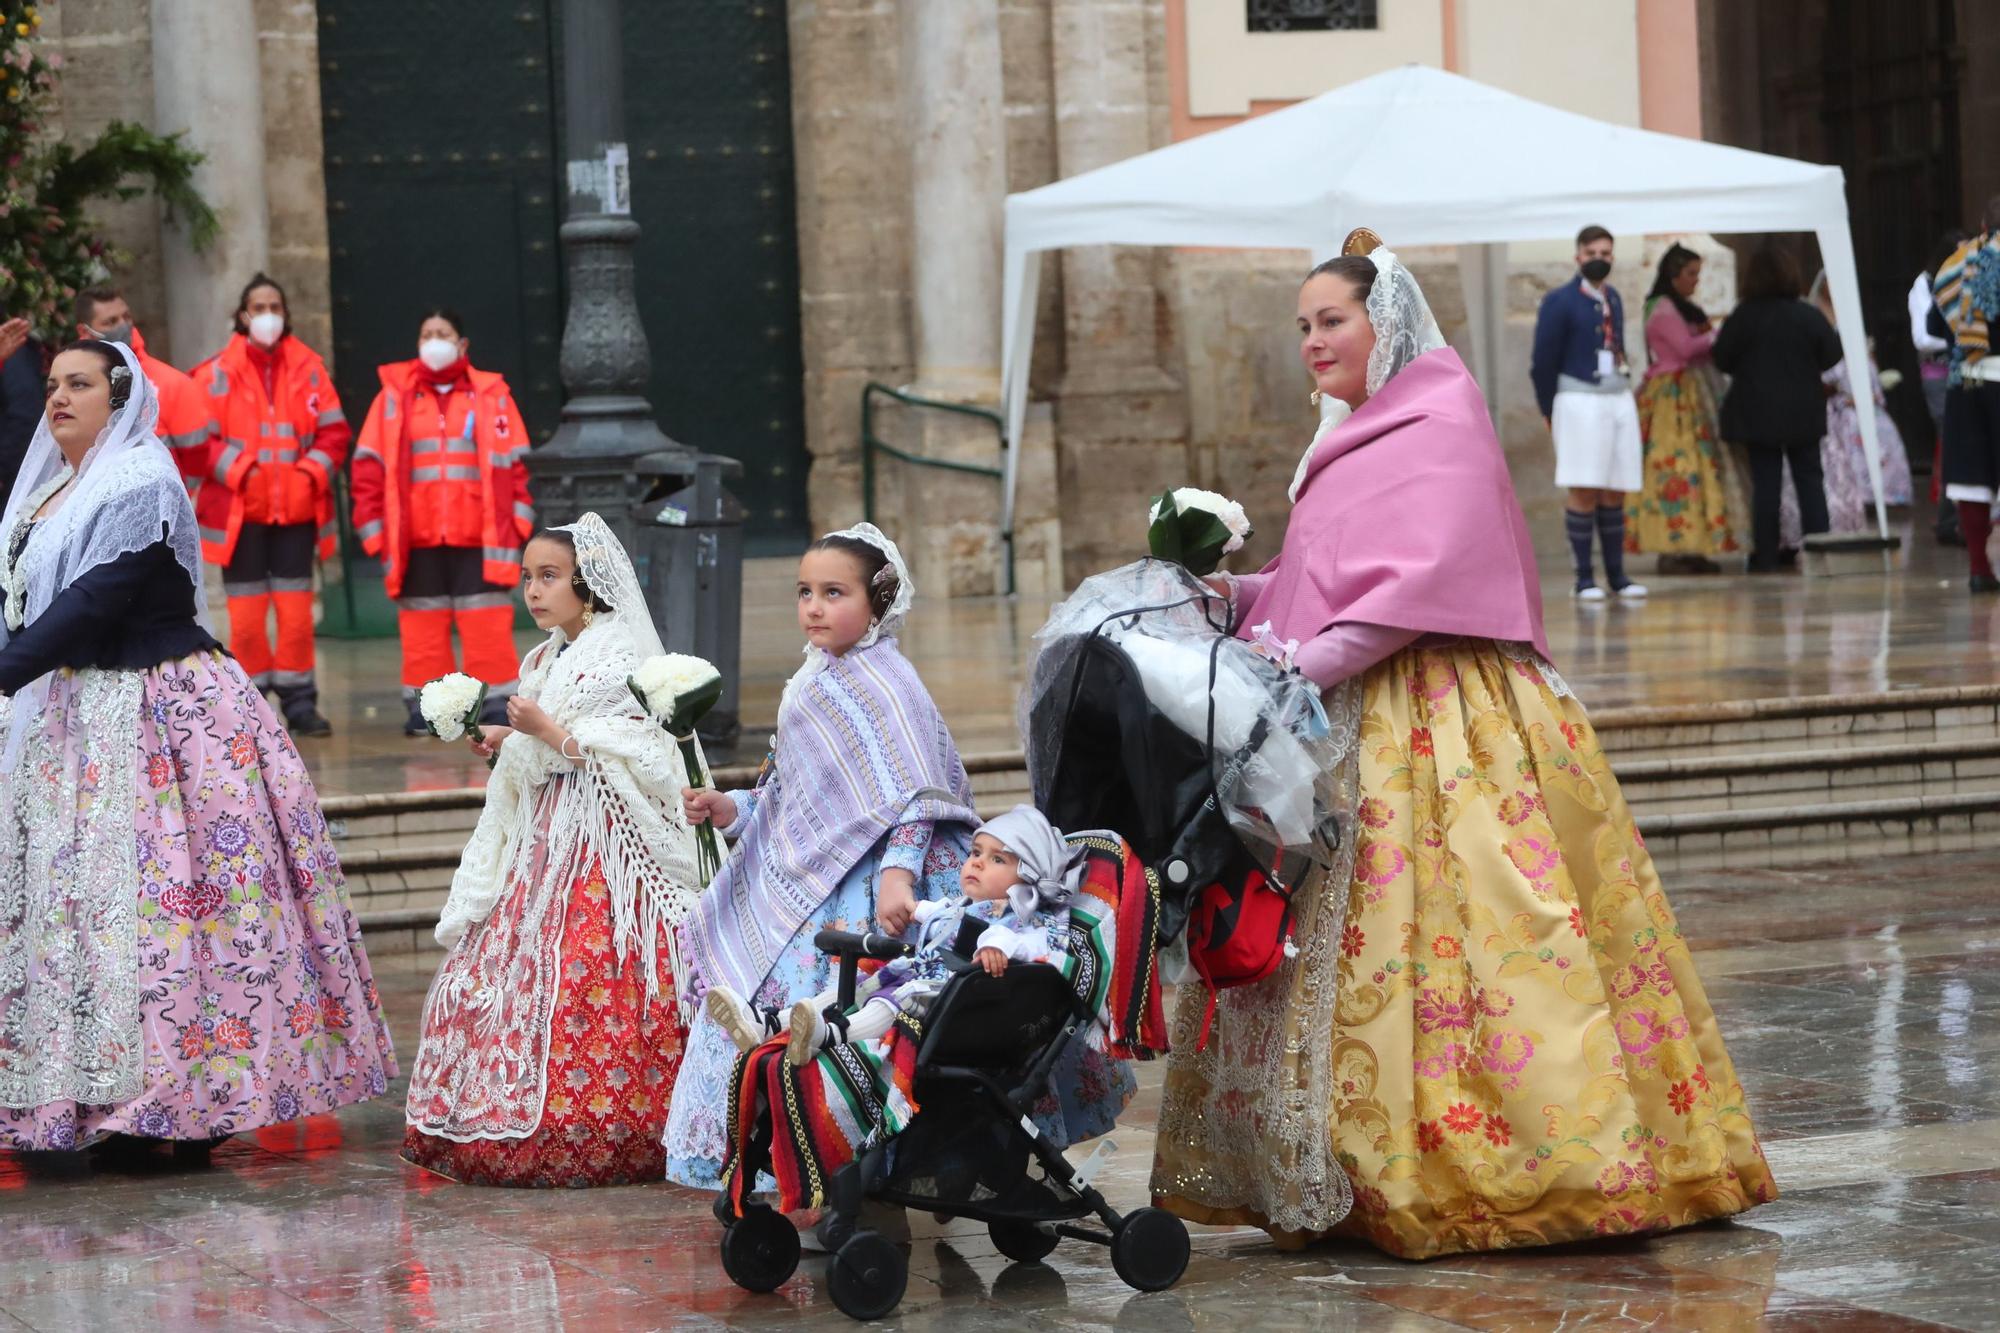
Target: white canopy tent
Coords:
[[1424, 158]]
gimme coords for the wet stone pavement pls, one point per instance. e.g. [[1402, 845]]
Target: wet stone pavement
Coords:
[[1860, 1005]]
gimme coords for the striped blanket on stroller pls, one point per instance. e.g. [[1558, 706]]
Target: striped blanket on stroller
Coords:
[[823, 1115]]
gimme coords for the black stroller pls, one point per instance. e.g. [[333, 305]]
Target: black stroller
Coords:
[[1142, 713], [1140, 716], [976, 1064]]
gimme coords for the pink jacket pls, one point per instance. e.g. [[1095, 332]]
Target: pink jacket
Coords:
[[1674, 346], [1407, 520]]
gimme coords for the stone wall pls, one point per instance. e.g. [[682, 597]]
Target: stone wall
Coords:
[[107, 75], [1249, 414], [1153, 368], [295, 166], [853, 236]]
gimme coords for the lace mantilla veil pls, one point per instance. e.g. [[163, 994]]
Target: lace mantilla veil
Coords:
[[127, 492], [1404, 330], [886, 627], [607, 571]]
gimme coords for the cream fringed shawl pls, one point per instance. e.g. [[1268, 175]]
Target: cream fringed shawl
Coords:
[[626, 809]]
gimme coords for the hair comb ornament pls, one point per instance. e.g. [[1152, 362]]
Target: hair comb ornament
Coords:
[[1360, 241], [121, 386]]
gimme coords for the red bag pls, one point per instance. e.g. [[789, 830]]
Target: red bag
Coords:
[[1239, 930]]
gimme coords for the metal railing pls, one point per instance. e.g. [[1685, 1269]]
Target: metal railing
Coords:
[[872, 444]]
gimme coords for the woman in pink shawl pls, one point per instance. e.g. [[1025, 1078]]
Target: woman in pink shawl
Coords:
[[1492, 1034]]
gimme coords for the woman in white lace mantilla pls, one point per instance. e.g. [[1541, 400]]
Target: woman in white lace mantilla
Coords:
[[178, 960], [1492, 1034], [552, 1035]]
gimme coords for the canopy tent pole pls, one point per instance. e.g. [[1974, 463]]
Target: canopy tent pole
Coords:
[[1836, 252], [1482, 273], [1020, 280]]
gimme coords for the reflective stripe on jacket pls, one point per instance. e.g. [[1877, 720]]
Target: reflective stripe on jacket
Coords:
[[465, 483], [294, 435]]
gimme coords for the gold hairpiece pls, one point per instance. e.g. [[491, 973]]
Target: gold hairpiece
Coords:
[[1360, 241]]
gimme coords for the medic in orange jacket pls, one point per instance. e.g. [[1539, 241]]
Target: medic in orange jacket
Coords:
[[441, 495], [101, 312], [265, 505]]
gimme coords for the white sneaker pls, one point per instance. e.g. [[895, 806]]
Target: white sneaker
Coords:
[[1591, 594], [1633, 592], [808, 1034], [733, 1016]]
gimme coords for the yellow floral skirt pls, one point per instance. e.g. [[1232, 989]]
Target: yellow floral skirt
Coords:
[[1521, 1052], [1690, 487]]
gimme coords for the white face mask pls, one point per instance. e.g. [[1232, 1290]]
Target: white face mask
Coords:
[[437, 353], [267, 328]]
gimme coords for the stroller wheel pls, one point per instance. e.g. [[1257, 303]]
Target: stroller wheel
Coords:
[[760, 1251], [1023, 1242], [1149, 1249], [866, 1279]]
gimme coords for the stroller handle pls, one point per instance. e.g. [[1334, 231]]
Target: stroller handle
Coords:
[[847, 943]]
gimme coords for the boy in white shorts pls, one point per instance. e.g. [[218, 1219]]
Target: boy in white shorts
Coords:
[[1583, 385]]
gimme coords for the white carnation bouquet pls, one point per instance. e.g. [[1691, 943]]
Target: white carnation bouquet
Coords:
[[677, 690], [1196, 528], [450, 705]]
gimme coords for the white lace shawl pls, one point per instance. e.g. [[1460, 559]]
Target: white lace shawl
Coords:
[[1404, 330], [627, 812]]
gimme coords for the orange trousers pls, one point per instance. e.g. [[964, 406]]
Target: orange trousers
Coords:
[[445, 590], [272, 570]]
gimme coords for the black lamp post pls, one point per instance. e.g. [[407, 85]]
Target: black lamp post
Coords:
[[606, 420], [663, 499]]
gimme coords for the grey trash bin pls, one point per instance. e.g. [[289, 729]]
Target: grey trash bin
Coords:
[[688, 551]]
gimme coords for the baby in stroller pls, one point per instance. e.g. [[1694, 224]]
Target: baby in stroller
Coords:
[[1016, 886]]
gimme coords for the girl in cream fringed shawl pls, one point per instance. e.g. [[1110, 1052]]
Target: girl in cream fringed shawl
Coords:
[[552, 1034]]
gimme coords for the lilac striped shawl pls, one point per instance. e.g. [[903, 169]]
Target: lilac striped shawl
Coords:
[[856, 750]]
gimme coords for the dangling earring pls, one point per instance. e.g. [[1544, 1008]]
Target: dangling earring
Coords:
[[589, 614], [1314, 397]]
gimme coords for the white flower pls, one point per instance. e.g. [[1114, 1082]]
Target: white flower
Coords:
[[448, 702], [1225, 509], [672, 676]]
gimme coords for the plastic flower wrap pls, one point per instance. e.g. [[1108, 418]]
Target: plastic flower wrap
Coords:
[[450, 705], [1196, 528], [677, 690]]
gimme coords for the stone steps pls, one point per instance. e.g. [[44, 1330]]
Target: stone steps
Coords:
[[1758, 782], [1698, 783], [1820, 722]]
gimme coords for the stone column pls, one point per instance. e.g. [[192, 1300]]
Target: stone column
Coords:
[[295, 170], [207, 81], [958, 183], [1121, 420], [946, 522]]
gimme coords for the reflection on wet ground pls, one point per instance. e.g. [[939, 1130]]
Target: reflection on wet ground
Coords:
[[1860, 1006]]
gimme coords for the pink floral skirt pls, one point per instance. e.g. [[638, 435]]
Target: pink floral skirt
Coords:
[[256, 1004]]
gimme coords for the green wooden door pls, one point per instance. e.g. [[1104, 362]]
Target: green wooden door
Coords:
[[708, 117], [443, 186]]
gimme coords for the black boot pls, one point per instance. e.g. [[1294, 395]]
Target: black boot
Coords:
[[1947, 531], [300, 705], [493, 712], [308, 722]]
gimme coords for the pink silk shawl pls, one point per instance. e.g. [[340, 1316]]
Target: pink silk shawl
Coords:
[[1408, 518]]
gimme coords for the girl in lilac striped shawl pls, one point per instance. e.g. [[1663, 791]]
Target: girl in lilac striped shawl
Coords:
[[863, 809]]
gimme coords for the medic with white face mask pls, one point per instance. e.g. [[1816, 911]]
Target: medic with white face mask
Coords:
[[441, 495], [276, 437]]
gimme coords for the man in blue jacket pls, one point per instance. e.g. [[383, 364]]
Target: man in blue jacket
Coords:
[[20, 398], [1583, 385]]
